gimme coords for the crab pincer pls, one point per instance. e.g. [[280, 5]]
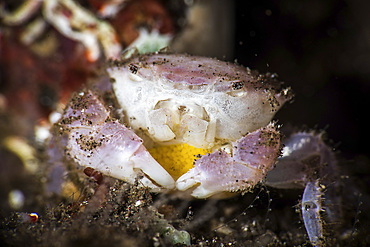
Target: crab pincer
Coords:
[[96, 141], [250, 159]]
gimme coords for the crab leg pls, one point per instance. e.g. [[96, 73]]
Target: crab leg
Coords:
[[307, 162], [108, 146], [305, 157], [311, 209], [252, 156]]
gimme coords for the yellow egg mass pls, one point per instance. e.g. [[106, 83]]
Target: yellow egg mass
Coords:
[[177, 159]]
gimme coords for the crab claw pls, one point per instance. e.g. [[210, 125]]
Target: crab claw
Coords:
[[252, 156], [108, 146]]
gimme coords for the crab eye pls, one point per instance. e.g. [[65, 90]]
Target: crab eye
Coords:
[[237, 85], [133, 68], [237, 91]]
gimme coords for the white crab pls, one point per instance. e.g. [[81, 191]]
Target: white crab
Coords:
[[174, 102], [218, 112]]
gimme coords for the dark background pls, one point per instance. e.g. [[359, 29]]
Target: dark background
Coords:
[[322, 50]]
